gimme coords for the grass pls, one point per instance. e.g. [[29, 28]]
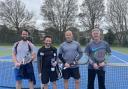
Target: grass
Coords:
[[5, 52], [121, 49]]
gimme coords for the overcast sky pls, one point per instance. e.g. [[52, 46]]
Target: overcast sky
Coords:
[[34, 6]]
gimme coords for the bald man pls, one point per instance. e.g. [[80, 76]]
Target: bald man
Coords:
[[69, 53]]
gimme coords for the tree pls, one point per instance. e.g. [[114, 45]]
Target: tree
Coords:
[[14, 14], [59, 14], [92, 13], [76, 33], [117, 15], [52, 32], [109, 37], [7, 35]]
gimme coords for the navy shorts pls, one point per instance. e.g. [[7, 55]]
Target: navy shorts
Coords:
[[48, 75], [71, 72], [25, 72]]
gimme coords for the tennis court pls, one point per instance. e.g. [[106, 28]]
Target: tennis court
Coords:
[[116, 73]]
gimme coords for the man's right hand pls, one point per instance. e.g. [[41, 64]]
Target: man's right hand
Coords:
[[67, 65], [95, 66], [17, 64]]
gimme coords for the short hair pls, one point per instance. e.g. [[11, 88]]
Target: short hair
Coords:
[[69, 31], [25, 31], [95, 29], [47, 36]]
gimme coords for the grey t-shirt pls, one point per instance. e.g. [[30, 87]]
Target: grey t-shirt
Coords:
[[23, 50], [102, 47], [70, 51]]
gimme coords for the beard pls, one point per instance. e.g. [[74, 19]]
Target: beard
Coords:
[[48, 45], [24, 38]]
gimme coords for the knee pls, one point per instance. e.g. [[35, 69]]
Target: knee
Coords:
[[77, 81], [18, 82], [65, 80], [54, 83], [45, 85]]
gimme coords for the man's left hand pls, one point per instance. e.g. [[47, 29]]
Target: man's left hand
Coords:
[[102, 64]]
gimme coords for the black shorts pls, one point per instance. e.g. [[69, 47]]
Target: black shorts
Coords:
[[48, 75], [71, 72]]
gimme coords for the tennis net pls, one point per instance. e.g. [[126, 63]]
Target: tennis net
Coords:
[[116, 77]]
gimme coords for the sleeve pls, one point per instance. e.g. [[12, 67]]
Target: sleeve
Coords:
[[14, 52], [80, 52], [55, 53], [88, 53], [60, 55], [33, 48], [108, 49], [13, 48], [108, 52], [39, 61]]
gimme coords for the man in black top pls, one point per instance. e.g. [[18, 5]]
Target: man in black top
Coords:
[[46, 57]]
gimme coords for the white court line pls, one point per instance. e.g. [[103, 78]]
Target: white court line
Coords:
[[6, 60], [120, 59]]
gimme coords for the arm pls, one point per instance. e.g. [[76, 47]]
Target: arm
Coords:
[[88, 53], [33, 51], [61, 55], [39, 62], [61, 58], [80, 52], [55, 53], [108, 52], [14, 56], [33, 55], [108, 49]]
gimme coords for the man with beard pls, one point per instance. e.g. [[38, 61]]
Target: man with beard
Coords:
[[47, 63], [23, 53]]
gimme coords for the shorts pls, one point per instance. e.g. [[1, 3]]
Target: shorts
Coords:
[[71, 72], [25, 72], [48, 75]]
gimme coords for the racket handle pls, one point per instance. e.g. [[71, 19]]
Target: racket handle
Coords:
[[65, 68], [23, 61]]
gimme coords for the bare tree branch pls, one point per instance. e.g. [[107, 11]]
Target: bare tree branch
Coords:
[[14, 14]]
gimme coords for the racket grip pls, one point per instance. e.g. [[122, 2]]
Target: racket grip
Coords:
[[23, 61], [65, 68]]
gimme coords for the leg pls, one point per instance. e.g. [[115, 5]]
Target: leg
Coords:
[[18, 84], [45, 86], [66, 75], [42, 86], [44, 80], [76, 75], [91, 78], [65, 83], [31, 85], [77, 84], [54, 85], [101, 79]]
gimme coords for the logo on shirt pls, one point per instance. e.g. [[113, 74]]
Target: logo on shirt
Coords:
[[42, 54]]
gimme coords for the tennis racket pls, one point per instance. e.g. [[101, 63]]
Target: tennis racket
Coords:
[[82, 61], [26, 59], [100, 55]]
